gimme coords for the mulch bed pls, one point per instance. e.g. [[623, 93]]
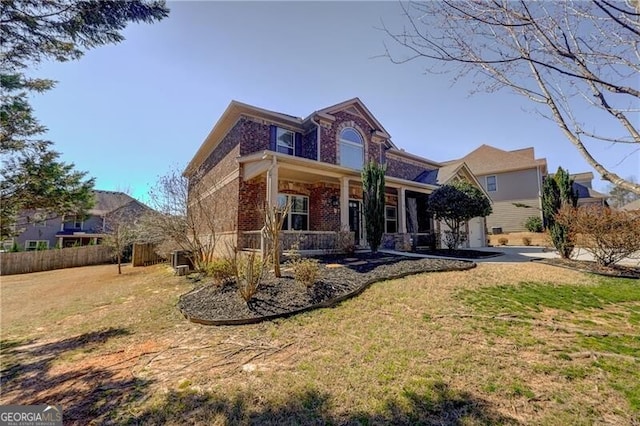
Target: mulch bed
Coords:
[[460, 254], [341, 277], [618, 271]]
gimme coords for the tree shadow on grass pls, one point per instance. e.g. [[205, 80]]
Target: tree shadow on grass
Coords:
[[86, 392], [438, 405]]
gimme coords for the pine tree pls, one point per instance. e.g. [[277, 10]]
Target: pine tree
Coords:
[[373, 189], [557, 191]]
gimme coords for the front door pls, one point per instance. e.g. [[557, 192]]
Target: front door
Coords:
[[355, 224]]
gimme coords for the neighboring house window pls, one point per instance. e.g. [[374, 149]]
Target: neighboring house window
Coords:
[[298, 217], [351, 149], [391, 219], [492, 183], [73, 222], [285, 141], [36, 245]]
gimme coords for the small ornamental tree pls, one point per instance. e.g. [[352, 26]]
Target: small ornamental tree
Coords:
[[373, 203], [609, 235], [557, 191], [456, 204]]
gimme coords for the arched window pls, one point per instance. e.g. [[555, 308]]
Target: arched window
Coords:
[[351, 149]]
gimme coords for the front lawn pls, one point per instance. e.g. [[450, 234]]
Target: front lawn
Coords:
[[499, 344]]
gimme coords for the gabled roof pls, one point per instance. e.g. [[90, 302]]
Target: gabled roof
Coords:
[[109, 201], [356, 107], [584, 191], [487, 159], [582, 185], [446, 173], [236, 109]]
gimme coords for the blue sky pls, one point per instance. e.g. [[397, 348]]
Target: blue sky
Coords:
[[127, 113]]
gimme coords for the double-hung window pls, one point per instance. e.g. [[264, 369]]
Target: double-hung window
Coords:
[[492, 183], [391, 219], [73, 222], [351, 149], [31, 245], [285, 141], [298, 217]]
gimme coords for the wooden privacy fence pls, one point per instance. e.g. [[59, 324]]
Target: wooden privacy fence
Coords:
[[145, 255], [46, 260]]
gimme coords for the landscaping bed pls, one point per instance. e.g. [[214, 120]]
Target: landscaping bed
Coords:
[[620, 271], [340, 277]]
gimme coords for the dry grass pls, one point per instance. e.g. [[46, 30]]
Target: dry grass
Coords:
[[414, 350]]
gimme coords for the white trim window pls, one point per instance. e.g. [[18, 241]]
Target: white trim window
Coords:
[[73, 222], [285, 141], [31, 245], [351, 146], [298, 217], [391, 219], [492, 183]]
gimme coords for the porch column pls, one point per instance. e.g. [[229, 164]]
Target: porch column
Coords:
[[272, 184], [344, 203], [402, 212]]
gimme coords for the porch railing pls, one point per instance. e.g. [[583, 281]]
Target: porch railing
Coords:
[[299, 240]]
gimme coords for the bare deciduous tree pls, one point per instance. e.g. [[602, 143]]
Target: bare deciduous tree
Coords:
[[274, 217], [120, 232], [184, 219], [578, 60]]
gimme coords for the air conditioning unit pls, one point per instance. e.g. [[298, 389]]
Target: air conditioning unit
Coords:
[[496, 230]]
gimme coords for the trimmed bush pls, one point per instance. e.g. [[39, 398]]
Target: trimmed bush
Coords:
[[534, 224], [503, 241], [305, 270], [221, 270], [526, 241]]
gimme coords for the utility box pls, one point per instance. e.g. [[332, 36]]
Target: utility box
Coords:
[[181, 258], [496, 230]]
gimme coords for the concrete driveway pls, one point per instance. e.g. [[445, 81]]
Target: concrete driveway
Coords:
[[511, 254]]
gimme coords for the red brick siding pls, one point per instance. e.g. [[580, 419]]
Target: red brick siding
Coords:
[[404, 170], [254, 137], [225, 213], [251, 198], [309, 145], [322, 216], [330, 136]]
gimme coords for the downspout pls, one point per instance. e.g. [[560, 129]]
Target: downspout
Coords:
[[539, 179], [317, 136]]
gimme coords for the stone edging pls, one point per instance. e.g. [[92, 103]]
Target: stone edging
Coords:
[[587, 271], [326, 304]]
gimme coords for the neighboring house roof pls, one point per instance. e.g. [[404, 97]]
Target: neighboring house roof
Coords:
[[586, 192], [487, 159], [108, 201], [446, 173], [582, 185], [634, 205]]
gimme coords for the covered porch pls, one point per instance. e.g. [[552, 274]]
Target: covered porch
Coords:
[[326, 205]]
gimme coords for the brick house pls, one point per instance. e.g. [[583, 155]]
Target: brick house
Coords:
[[255, 157]]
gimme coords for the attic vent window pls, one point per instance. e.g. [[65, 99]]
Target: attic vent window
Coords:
[[351, 149]]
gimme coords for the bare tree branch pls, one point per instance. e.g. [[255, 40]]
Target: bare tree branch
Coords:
[[564, 55]]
